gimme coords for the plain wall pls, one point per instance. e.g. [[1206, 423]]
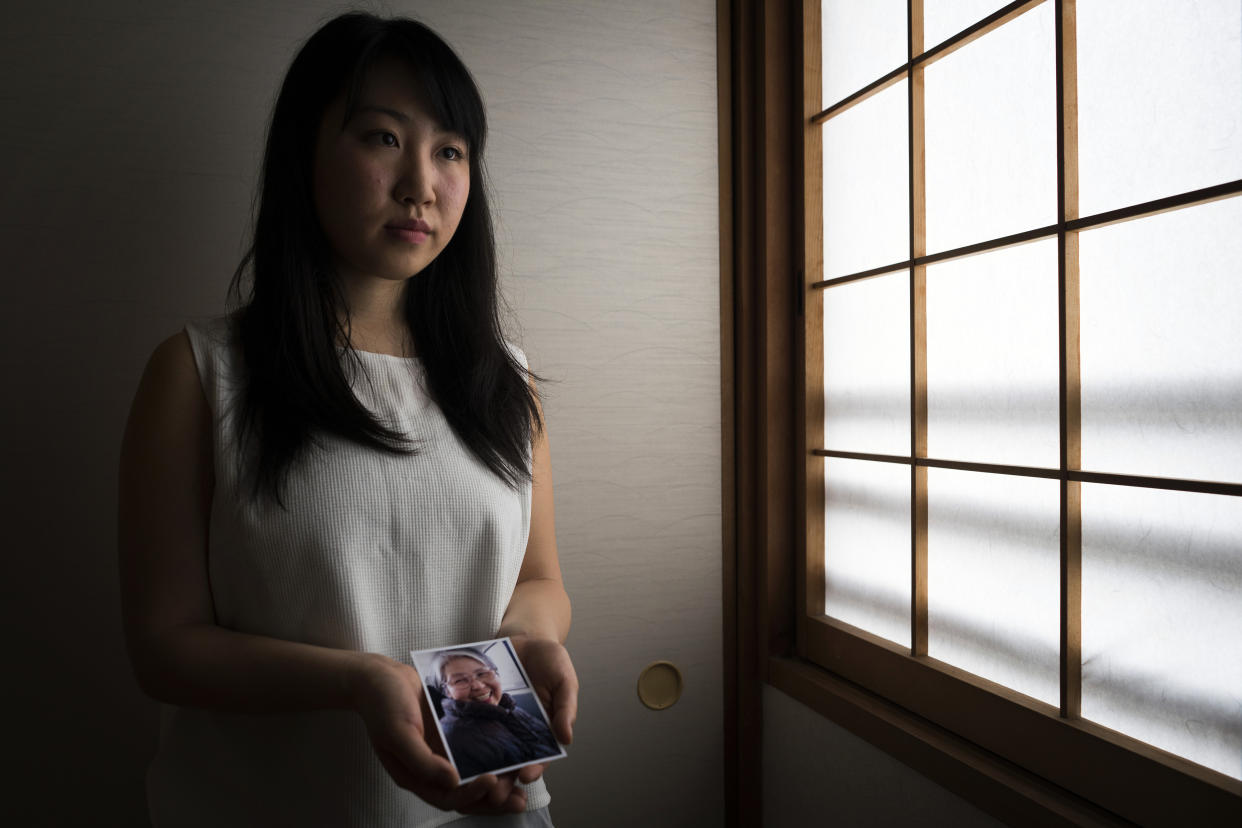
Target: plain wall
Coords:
[[132, 134], [818, 773]]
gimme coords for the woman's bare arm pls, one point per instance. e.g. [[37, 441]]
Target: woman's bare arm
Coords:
[[181, 656], [538, 615]]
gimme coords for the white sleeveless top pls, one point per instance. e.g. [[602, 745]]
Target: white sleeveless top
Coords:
[[377, 552]]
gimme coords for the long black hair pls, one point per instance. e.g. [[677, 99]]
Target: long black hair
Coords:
[[294, 315]]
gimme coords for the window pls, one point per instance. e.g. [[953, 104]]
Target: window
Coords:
[[1020, 383]]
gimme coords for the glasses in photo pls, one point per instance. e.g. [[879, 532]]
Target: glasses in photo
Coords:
[[461, 680]]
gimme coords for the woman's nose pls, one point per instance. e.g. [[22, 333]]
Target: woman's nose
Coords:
[[415, 185]]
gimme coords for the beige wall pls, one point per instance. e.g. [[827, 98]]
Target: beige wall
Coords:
[[816, 773], [131, 136]]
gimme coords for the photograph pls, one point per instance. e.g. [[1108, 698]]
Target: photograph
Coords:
[[791, 412], [489, 717]]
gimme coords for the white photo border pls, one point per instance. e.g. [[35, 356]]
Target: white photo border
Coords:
[[422, 660]]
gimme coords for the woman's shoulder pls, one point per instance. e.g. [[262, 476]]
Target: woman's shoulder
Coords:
[[172, 361], [212, 332]]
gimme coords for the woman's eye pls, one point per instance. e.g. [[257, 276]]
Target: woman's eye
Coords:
[[386, 139], [453, 153]]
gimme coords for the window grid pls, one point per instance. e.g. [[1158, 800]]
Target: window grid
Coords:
[[1069, 474]]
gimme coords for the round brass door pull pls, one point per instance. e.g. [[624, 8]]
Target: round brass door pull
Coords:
[[659, 685]]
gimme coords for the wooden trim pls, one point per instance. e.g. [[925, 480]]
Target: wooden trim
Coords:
[[1078, 476], [1167, 483], [972, 33], [861, 455], [961, 730], [1129, 778], [1070, 646], [1000, 788], [855, 98], [780, 110], [918, 332], [854, 277], [917, 57], [733, 761], [811, 585], [765, 129], [1157, 206], [989, 468], [743, 680]]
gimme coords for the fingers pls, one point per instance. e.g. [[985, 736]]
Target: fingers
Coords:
[[565, 709], [488, 794], [416, 764], [530, 773]]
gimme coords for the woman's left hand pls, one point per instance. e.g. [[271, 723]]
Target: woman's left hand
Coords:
[[553, 678]]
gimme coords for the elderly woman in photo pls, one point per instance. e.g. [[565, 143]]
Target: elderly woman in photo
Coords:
[[484, 727]]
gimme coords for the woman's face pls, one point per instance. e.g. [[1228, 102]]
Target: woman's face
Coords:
[[391, 186], [467, 679]]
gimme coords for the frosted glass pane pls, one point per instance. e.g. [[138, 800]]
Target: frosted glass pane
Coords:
[[867, 365], [1159, 98], [861, 42], [944, 18], [867, 546], [992, 374], [991, 135], [867, 184], [993, 578], [1162, 345], [1162, 620]]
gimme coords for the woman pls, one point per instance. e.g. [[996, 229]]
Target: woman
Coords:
[[350, 467], [484, 727]]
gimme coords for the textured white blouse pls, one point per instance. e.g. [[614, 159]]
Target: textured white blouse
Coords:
[[377, 552]]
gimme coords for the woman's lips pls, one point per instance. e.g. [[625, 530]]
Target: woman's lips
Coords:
[[406, 234]]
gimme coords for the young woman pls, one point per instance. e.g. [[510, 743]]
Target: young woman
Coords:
[[351, 466]]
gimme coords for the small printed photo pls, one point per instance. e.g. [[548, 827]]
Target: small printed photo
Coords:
[[489, 717]]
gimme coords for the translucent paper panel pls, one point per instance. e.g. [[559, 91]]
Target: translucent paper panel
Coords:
[[944, 18], [992, 373], [993, 572], [867, 184], [991, 135], [867, 546], [867, 365], [1162, 620], [1159, 98], [861, 42], [1162, 345]]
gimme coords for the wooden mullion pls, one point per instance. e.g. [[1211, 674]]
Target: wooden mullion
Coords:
[[1139, 782], [918, 335], [1070, 379], [972, 33], [1192, 198], [923, 58], [743, 699], [812, 585], [1172, 484]]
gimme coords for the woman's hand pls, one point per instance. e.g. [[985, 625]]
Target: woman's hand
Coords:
[[389, 697], [554, 680]]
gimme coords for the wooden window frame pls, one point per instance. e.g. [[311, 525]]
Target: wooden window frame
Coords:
[[1025, 762]]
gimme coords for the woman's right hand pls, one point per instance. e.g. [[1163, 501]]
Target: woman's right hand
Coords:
[[389, 697]]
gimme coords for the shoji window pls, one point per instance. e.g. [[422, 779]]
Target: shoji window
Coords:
[[1024, 381]]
